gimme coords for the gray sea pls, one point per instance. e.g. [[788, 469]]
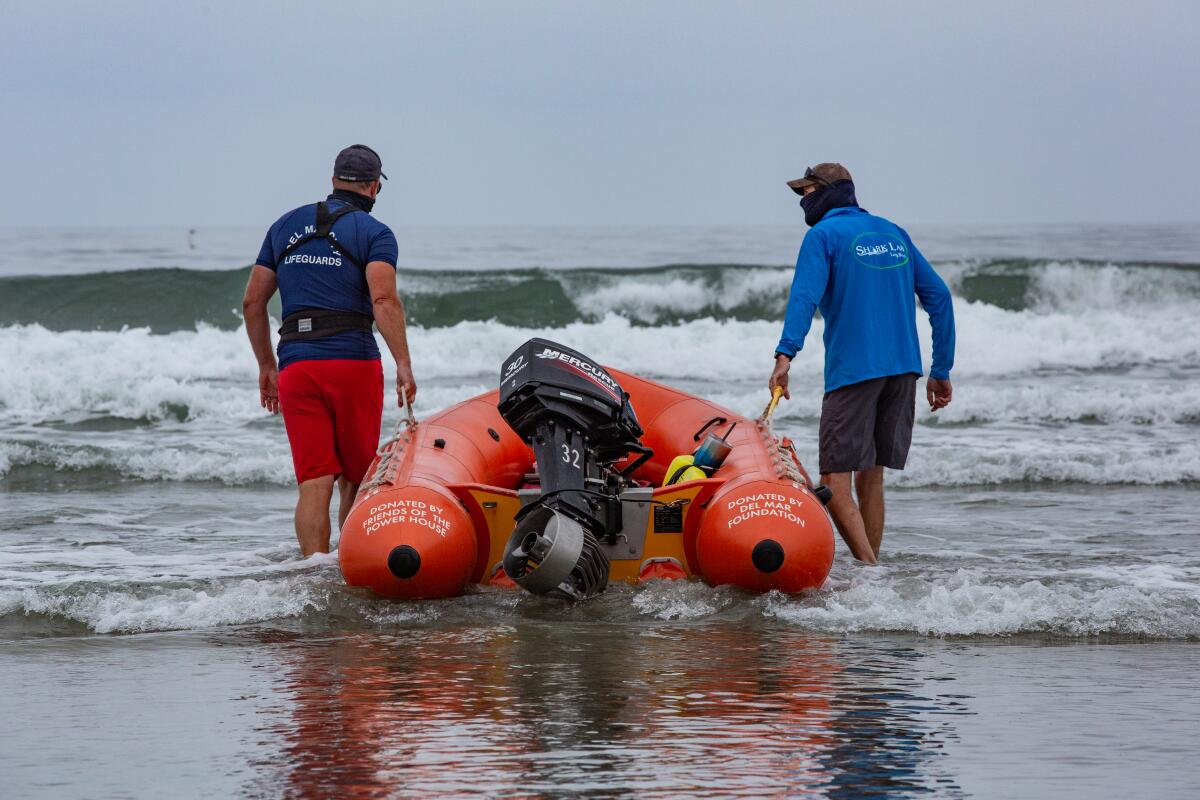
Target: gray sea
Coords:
[[1032, 630]]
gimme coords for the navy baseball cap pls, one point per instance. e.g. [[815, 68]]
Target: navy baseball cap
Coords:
[[358, 163]]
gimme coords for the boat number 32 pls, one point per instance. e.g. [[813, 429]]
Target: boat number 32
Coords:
[[570, 456]]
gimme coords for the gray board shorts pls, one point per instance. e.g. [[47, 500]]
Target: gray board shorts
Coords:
[[867, 424]]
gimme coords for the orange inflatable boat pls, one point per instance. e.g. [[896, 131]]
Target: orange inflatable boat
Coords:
[[572, 474]]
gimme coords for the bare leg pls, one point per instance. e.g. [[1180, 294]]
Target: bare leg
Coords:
[[312, 515], [868, 486], [346, 493], [847, 517]]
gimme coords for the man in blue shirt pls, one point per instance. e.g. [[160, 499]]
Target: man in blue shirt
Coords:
[[863, 273], [335, 268]]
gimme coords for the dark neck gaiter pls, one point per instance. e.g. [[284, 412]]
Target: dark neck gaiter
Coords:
[[354, 199], [822, 201]]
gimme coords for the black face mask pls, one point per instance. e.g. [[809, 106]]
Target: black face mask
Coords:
[[819, 203], [354, 198]]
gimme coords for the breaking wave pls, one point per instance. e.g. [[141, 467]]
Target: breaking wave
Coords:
[[208, 371], [169, 299], [183, 405]]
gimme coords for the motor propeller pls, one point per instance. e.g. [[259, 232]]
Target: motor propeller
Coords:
[[550, 553]]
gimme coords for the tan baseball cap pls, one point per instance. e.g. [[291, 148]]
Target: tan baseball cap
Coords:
[[825, 174]]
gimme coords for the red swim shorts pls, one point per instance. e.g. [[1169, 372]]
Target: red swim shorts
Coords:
[[332, 411]]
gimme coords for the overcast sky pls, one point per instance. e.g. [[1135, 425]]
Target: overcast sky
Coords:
[[503, 113]]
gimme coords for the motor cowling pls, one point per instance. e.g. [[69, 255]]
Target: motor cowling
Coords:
[[578, 421]]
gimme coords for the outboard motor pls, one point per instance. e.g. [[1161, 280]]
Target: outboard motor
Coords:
[[579, 422]]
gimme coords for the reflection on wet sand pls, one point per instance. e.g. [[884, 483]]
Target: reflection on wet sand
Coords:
[[545, 710]]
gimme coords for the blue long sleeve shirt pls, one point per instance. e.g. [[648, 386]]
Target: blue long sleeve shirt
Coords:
[[864, 274]]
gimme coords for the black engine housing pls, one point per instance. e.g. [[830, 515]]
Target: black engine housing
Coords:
[[542, 378], [579, 422]]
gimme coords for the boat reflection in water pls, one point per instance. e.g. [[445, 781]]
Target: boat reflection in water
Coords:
[[547, 708]]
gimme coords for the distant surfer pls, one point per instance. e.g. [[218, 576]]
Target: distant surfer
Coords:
[[335, 268], [863, 272]]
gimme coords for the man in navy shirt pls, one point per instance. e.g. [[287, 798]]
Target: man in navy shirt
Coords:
[[863, 273], [335, 268]]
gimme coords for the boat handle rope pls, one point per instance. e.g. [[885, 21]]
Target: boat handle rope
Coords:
[[393, 447], [786, 465]]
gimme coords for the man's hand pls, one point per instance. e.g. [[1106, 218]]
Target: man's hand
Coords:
[[268, 387], [779, 377], [938, 392], [405, 383]]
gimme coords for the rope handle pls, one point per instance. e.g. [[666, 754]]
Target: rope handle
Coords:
[[408, 420], [409, 417], [776, 393], [783, 451], [790, 446], [387, 450]]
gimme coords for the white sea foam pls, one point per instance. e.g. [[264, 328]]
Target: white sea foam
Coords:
[[969, 602], [991, 342], [136, 374], [667, 599], [1001, 457], [196, 391], [1046, 400], [649, 298], [1086, 288], [114, 564], [937, 460], [131, 374], [112, 589], [1146, 577], [646, 301], [232, 460], [963, 602], [185, 608], [1135, 401]]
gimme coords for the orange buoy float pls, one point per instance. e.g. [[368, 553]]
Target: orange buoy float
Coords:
[[571, 475]]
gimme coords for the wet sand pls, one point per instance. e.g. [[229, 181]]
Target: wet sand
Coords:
[[734, 707]]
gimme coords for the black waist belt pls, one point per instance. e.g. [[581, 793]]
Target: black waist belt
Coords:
[[313, 323]]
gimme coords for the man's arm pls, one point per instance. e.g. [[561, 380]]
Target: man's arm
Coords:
[[259, 291], [389, 318], [935, 299], [808, 287]]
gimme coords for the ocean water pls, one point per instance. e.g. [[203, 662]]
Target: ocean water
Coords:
[[1032, 629]]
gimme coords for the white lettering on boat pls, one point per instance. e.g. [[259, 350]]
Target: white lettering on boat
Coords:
[[765, 504], [412, 512]]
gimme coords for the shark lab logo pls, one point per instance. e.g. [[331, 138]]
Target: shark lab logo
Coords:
[[589, 371], [879, 250]]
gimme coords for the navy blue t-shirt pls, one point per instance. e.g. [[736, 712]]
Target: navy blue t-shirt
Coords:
[[315, 275]]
